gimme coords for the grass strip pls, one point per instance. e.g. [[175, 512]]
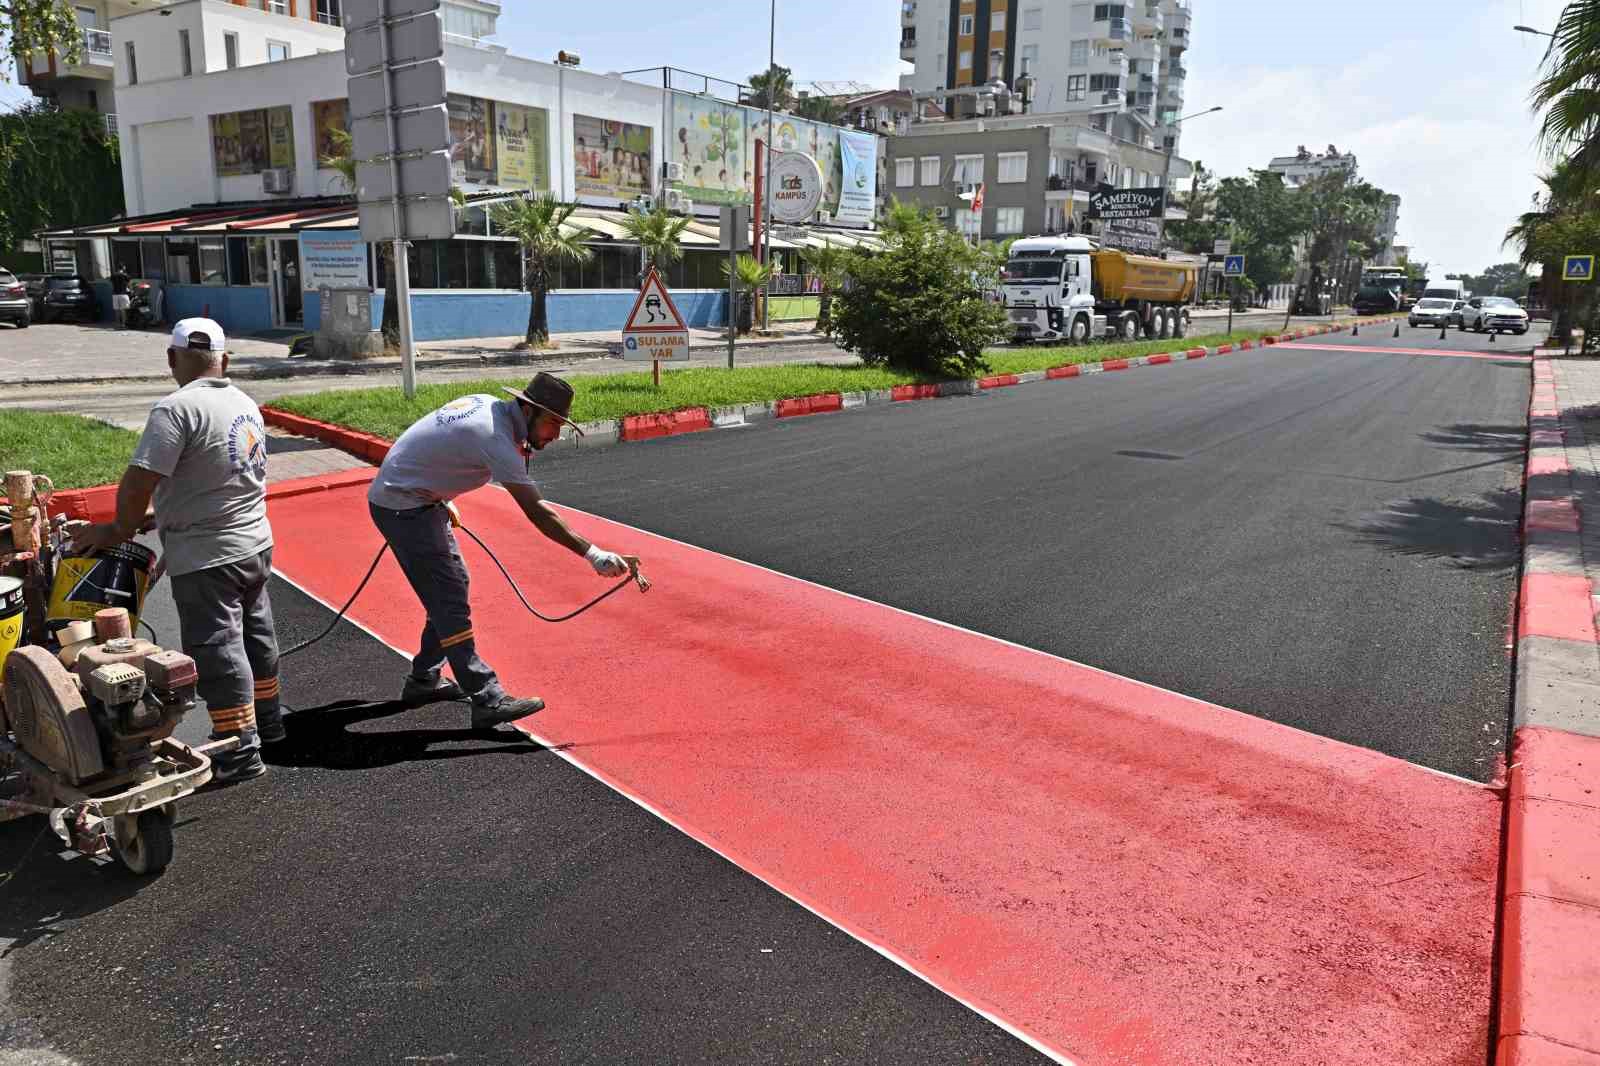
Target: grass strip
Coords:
[[74, 452], [1022, 360]]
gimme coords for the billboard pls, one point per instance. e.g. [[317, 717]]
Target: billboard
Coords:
[[471, 140], [522, 147], [712, 146], [327, 118], [1107, 202], [248, 142], [611, 159], [335, 258], [858, 178]]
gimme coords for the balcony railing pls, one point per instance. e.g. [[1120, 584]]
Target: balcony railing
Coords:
[[1177, 71], [97, 42], [111, 124], [329, 18], [1118, 29], [1111, 96], [908, 37]]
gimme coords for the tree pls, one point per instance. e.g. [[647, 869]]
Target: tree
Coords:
[[1502, 279], [1343, 216], [821, 109], [1567, 92], [750, 275], [919, 305], [539, 223], [658, 233], [39, 26], [827, 265], [1567, 211], [1199, 232], [57, 168], [1263, 217], [775, 84]]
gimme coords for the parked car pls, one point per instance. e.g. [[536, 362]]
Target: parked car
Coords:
[[1494, 314], [35, 284], [15, 307], [1456, 308], [69, 294], [1432, 311]]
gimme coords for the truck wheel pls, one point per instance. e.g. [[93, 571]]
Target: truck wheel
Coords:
[[1180, 324], [1080, 330], [1130, 327], [1160, 325]]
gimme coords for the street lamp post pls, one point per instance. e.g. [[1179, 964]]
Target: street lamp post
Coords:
[[1530, 29], [1166, 176], [766, 211]]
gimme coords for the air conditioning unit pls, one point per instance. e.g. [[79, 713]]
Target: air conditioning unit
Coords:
[[941, 211], [965, 190], [278, 180], [678, 201], [673, 171]]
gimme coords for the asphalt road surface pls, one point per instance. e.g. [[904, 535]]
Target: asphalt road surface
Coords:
[[1324, 538]]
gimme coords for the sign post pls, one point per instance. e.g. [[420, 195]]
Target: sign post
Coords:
[[1232, 267], [655, 330], [735, 238], [400, 137]]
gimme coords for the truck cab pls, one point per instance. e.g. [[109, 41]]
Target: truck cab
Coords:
[[1047, 289]]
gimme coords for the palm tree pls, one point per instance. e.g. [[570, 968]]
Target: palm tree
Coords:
[[775, 84], [540, 225], [750, 274], [828, 265], [1567, 92], [821, 109], [658, 233]]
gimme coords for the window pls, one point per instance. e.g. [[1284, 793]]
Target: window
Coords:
[[905, 173], [964, 61], [968, 222], [1075, 86], [328, 12], [1012, 169], [183, 263], [1033, 18], [230, 49], [997, 22], [277, 51], [1102, 12], [125, 257], [1104, 83], [1030, 57], [247, 260], [1078, 54], [1007, 220], [969, 169], [277, 7], [939, 66], [185, 59], [213, 262], [966, 26], [930, 170], [133, 66]]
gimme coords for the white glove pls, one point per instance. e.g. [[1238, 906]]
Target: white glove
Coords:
[[606, 564]]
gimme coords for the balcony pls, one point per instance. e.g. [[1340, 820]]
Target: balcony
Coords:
[[329, 18], [111, 124], [97, 45], [1115, 30], [908, 42], [1177, 71], [1109, 96], [908, 10]]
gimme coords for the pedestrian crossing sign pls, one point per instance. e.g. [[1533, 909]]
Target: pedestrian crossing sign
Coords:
[[1578, 268], [1233, 266]]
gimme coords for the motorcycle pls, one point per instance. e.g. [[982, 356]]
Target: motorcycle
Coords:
[[144, 305]]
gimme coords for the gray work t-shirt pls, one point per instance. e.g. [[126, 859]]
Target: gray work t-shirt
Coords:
[[208, 443], [462, 446]]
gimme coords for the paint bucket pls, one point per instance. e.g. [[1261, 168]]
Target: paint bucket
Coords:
[[10, 618], [113, 577]]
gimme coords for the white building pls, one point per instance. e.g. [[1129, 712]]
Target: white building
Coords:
[[1121, 65], [1306, 166]]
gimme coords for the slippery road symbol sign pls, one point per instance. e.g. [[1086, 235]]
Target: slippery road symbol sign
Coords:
[[655, 330]]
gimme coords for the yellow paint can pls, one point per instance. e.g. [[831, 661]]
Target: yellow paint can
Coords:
[[11, 606], [113, 577]]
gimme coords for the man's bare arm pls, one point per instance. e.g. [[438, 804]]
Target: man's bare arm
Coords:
[[134, 493], [545, 519]]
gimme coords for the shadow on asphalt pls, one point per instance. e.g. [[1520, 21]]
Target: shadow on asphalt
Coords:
[[1477, 533], [324, 737], [44, 888]]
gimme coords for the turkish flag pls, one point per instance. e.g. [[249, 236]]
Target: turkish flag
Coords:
[[977, 200]]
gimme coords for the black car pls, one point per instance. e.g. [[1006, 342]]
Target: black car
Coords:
[[35, 284], [15, 307], [69, 294]]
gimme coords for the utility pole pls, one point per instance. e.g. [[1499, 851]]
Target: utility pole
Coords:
[[766, 212], [1166, 174]]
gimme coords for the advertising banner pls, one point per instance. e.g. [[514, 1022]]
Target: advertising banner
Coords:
[[522, 147], [796, 187], [858, 187], [248, 142], [1106, 202], [335, 258], [280, 136], [327, 118], [712, 146], [471, 140], [1131, 234], [611, 159]]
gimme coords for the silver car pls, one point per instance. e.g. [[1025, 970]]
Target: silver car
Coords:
[[1432, 311], [1494, 314]]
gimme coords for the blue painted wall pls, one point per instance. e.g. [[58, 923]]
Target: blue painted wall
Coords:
[[438, 316], [240, 309]]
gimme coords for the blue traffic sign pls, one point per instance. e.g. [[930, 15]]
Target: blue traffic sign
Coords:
[[1233, 266], [1578, 268]]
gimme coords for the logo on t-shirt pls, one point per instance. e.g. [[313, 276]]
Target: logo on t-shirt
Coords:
[[456, 410], [247, 445]]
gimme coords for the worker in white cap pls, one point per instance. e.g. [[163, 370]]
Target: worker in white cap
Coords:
[[202, 460]]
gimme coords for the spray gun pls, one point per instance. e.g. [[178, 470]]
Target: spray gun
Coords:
[[634, 569]]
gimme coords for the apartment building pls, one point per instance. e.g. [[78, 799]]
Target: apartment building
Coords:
[[1305, 166], [1119, 64]]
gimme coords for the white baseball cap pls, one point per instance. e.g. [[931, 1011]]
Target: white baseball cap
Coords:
[[185, 329]]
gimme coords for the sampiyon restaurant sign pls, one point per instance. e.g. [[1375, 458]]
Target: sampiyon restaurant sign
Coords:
[[1125, 203]]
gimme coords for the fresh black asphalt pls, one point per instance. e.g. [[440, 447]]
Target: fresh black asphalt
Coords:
[[1325, 539]]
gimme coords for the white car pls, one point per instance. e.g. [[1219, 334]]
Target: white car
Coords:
[[1494, 314], [1431, 311]]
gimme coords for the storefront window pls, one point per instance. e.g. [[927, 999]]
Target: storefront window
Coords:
[[213, 263], [125, 257], [247, 260], [453, 265], [507, 264], [473, 221], [183, 262], [152, 259]]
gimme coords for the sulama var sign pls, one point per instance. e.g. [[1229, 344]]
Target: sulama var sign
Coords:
[[1109, 203]]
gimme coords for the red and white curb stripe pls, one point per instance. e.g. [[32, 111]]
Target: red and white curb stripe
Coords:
[[1550, 909]]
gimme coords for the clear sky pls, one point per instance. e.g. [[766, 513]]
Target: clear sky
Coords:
[[1431, 95]]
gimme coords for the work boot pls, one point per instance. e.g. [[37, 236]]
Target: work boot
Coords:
[[502, 709], [269, 723], [435, 688], [241, 764]]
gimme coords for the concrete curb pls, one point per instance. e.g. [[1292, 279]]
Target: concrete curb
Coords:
[[1550, 902]]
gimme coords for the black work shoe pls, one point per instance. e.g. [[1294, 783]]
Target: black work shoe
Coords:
[[269, 726], [505, 709], [437, 689], [232, 767]]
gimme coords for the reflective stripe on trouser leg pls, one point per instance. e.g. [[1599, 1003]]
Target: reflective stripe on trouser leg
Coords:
[[429, 557], [211, 616], [261, 639]]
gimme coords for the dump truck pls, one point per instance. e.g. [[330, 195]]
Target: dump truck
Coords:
[[1069, 288]]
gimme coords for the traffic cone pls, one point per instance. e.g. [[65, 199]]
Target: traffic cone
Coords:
[[1492, 335], [1442, 328], [1355, 328], [1397, 327]]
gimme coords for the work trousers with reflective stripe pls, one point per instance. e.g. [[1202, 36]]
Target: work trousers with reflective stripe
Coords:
[[426, 549], [225, 618]]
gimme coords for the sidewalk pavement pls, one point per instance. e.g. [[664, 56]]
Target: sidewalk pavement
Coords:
[[1550, 921]]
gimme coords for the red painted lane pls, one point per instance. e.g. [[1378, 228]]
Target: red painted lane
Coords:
[[1122, 873], [1408, 351]]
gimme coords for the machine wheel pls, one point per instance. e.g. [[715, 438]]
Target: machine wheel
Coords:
[[1180, 324], [1080, 330], [1129, 327], [144, 843]]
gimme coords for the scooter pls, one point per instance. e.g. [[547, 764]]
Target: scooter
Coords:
[[144, 299]]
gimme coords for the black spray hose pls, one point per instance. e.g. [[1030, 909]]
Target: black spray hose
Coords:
[[612, 591]]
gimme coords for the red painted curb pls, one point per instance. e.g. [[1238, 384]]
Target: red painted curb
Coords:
[[665, 424], [914, 392], [1157, 360], [1245, 346], [1556, 605], [1114, 364], [1197, 353], [300, 486], [1547, 464], [1224, 349], [366, 446], [1556, 516], [997, 381], [1269, 340], [1064, 371], [820, 403]]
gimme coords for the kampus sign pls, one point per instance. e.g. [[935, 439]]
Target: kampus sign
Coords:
[[796, 186]]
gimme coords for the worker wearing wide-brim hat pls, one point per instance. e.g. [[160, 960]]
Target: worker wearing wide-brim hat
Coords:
[[460, 447]]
